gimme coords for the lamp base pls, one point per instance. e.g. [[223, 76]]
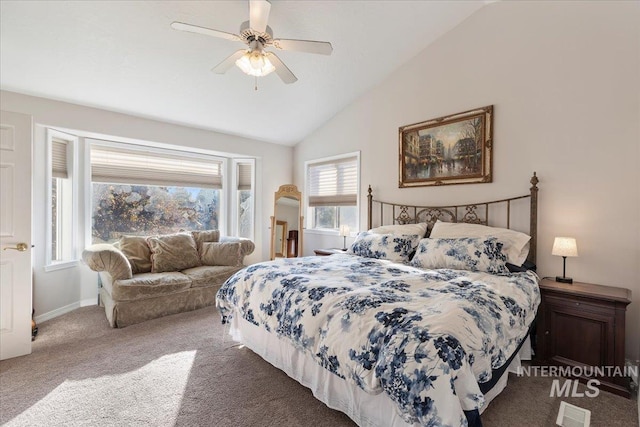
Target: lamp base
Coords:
[[564, 279]]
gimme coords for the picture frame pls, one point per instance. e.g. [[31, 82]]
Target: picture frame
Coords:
[[454, 149]]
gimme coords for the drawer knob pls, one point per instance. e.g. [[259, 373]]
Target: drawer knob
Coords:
[[546, 333], [577, 303]]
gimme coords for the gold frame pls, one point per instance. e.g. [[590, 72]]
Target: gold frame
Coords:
[[288, 191], [283, 246], [422, 153]]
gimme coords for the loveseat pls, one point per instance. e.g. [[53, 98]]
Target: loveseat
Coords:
[[144, 278]]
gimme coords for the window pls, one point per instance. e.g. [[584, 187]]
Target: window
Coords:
[[61, 236], [244, 197], [143, 191], [332, 189]]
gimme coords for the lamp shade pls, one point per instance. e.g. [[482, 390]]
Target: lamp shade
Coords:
[[565, 246], [344, 231]]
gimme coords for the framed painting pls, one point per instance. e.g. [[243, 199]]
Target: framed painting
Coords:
[[455, 149]]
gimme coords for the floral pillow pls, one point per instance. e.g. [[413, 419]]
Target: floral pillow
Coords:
[[466, 253], [516, 244], [392, 247]]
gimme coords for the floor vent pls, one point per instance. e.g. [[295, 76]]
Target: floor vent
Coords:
[[573, 416]]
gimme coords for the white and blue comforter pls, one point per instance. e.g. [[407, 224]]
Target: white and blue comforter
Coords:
[[426, 338]]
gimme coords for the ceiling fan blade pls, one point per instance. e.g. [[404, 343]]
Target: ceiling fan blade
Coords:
[[309, 46], [202, 30], [229, 62], [259, 15], [282, 71]]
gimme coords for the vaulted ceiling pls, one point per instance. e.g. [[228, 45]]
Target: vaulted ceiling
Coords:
[[123, 56]]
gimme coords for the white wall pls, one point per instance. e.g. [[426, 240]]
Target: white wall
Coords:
[[564, 79], [59, 291]]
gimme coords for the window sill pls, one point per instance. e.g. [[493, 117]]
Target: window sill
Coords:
[[326, 232], [61, 265], [321, 231]]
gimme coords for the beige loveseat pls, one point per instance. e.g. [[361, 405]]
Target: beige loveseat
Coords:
[[147, 277]]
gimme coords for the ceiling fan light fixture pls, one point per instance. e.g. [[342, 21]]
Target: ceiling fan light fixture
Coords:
[[255, 64]]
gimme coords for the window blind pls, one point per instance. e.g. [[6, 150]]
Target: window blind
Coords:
[[244, 176], [125, 165], [333, 183], [59, 158]]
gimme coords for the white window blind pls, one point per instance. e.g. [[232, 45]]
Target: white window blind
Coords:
[[59, 158], [244, 176], [333, 183], [125, 165]]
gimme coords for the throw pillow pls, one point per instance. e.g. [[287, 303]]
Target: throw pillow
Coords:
[[205, 236], [214, 253], [474, 254], [137, 251], [173, 252], [392, 247], [515, 244]]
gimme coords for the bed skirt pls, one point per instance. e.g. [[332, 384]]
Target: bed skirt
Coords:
[[367, 410]]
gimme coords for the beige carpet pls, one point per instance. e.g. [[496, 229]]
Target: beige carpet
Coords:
[[183, 370]]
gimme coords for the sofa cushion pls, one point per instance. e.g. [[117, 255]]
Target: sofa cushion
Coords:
[[215, 253], [173, 252], [146, 285], [137, 251], [205, 236], [209, 275]]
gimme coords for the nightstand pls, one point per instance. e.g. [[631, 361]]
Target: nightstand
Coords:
[[325, 252], [583, 325]]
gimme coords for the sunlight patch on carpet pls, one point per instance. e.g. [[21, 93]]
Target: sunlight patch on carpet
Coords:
[[150, 395]]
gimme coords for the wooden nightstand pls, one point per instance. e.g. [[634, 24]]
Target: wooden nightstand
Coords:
[[582, 325], [325, 252]]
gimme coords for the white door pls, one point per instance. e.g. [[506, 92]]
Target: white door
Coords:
[[15, 234]]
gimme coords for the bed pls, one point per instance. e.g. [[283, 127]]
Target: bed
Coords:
[[401, 330]]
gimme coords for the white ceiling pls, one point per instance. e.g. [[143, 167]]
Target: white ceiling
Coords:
[[123, 56]]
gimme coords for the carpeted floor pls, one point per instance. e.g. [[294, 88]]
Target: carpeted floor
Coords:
[[183, 370]]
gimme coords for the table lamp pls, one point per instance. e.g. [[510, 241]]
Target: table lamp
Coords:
[[564, 247], [344, 232]]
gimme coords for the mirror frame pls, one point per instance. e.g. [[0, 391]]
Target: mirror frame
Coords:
[[281, 252], [289, 191]]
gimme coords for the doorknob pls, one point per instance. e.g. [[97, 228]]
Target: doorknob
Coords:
[[20, 247]]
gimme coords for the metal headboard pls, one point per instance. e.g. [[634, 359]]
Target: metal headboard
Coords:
[[473, 213]]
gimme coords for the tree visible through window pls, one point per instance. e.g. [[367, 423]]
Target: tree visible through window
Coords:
[[245, 217], [139, 190], [119, 209]]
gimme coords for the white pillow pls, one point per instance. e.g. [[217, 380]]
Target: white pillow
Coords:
[[403, 229], [515, 244]]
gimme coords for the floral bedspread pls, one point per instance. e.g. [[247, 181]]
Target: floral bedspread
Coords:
[[426, 338]]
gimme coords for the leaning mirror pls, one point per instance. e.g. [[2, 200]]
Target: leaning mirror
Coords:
[[281, 239], [286, 223]]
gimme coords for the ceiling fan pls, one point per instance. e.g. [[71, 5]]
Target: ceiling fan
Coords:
[[257, 35]]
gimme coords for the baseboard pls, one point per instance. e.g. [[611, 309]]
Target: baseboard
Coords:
[[89, 301], [67, 308]]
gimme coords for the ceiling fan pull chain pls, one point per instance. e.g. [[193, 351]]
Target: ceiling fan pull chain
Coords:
[[256, 87]]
